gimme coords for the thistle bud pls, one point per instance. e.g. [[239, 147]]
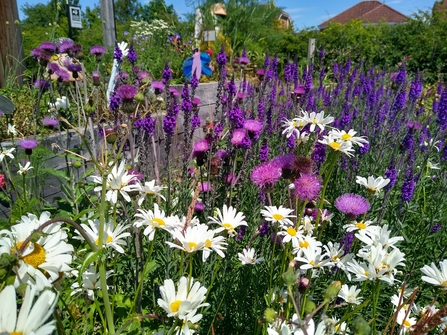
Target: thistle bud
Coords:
[[289, 277], [332, 290], [269, 315], [309, 307], [360, 326]]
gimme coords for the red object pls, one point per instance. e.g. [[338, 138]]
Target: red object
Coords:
[[210, 52], [2, 181]]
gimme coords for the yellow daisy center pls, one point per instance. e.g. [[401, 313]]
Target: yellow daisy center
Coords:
[[407, 324], [335, 145], [15, 333], [444, 283], [346, 137], [360, 225], [291, 231], [109, 239], [295, 124], [312, 262], [175, 306], [278, 216], [304, 244], [228, 226], [366, 273], [192, 245], [36, 257], [157, 222], [208, 243], [314, 121]]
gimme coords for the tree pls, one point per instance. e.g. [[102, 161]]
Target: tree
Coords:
[[157, 9]]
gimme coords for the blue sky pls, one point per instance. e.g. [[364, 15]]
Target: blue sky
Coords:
[[304, 13]]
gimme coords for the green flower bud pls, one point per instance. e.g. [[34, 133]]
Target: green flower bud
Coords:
[[269, 315], [332, 290], [77, 164], [139, 97], [289, 277], [309, 307], [360, 326]]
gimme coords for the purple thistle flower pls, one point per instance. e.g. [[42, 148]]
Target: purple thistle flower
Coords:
[[96, 78], [199, 207], [74, 67], [307, 187], [200, 147], [53, 67], [174, 92], [265, 175], [285, 163], [35, 53], [50, 122], [28, 144], [42, 84], [264, 152], [65, 46], [76, 50], [243, 60], [238, 137], [158, 87], [97, 50], [205, 187], [253, 128], [62, 75], [126, 92], [352, 205], [48, 46]]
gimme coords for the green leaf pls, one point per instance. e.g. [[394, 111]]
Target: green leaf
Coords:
[[89, 259], [149, 267]]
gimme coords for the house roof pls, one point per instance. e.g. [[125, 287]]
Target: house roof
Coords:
[[440, 5], [367, 11]]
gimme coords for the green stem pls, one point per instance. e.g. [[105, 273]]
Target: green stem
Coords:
[[376, 292]]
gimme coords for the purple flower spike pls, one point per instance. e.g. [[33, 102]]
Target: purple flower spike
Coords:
[[307, 187], [352, 205], [221, 57]]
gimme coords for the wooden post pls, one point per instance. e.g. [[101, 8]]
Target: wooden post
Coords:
[[310, 51], [11, 50], [108, 23]]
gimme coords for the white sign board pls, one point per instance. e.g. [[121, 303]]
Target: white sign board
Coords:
[[75, 16]]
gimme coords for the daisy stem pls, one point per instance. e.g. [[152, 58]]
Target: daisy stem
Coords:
[[190, 271], [271, 262], [98, 308], [326, 181], [376, 292], [25, 202]]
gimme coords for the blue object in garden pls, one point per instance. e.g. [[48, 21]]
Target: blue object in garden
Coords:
[[197, 64]]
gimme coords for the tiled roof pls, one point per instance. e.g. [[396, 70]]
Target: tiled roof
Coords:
[[369, 12], [440, 5]]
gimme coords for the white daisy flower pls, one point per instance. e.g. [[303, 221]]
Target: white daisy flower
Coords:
[[214, 243], [90, 282], [338, 145], [433, 166], [378, 236], [292, 127], [184, 303], [8, 153], [12, 129], [117, 181], [149, 189], [153, 220], [405, 322], [113, 236], [41, 262], [32, 316], [366, 226], [312, 258], [278, 214], [248, 257], [23, 170], [350, 294], [349, 136], [192, 239], [434, 275], [290, 234], [336, 253], [229, 219], [373, 185], [363, 271], [306, 242], [316, 119]]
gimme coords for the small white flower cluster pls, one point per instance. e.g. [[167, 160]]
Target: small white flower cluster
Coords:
[[143, 28]]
